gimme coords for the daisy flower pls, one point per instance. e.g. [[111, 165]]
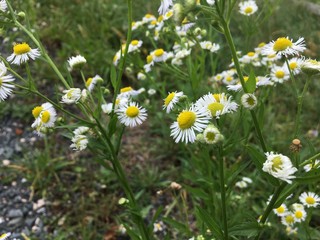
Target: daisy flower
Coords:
[[251, 57], [248, 7], [136, 25], [3, 8], [249, 101], [159, 55], [291, 231], [310, 166], [5, 235], [131, 114], [79, 142], [279, 74], [76, 62], [6, 86], [22, 52], [158, 227], [295, 65], [279, 166], [150, 63], [171, 100], [116, 58], [212, 135], [288, 219], [216, 104], [91, 82], [211, 2], [127, 92], [207, 45], [310, 67], [189, 121], [45, 117], [299, 214], [284, 46], [309, 199], [281, 211], [148, 18], [134, 45], [71, 95], [244, 182]]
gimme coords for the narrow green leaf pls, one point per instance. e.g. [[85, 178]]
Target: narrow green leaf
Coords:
[[197, 192], [251, 82], [309, 177], [248, 229], [113, 76], [210, 222], [175, 224]]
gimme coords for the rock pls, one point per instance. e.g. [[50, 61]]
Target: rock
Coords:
[[16, 222], [15, 213]]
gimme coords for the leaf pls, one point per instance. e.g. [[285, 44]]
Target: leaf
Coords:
[[258, 159], [309, 177], [210, 222], [197, 192], [251, 82], [175, 224], [157, 214], [248, 229]]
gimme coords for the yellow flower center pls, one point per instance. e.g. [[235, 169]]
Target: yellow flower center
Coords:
[[160, 18], [133, 23], [169, 14], [298, 214], [310, 200], [0, 82], [215, 107], [261, 44], [279, 74], [248, 10], [21, 48], [117, 101], [293, 65], [229, 79], [169, 98], [149, 59], [36, 111], [159, 52], [251, 101], [134, 42], [217, 96], [280, 209], [186, 119], [126, 89], [153, 22], [289, 219], [210, 136], [271, 56], [276, 163], [281, 44], [148, 15], [45, 117], [88, 82], [132, 111], [250, 54]]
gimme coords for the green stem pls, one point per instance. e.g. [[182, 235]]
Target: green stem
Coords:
[[228, 36], [223, 192], [299, 107], [269, 208]]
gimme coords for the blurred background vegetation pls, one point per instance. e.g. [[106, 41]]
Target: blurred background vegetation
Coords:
[[95, 29]]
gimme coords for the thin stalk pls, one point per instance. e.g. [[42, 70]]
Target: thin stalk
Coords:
[[228, 36], [299, 107], [223, 193], [270, 206]]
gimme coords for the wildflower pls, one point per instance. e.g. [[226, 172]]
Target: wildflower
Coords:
[[284, 46], [309, 199], [76, 62], [279, 74], [149, 64], [72, 95], [79, 142], [123, 201], [299, 213], [148, 18], [288, 219], [310, 166], [211, 2], [295, 65], [189, 121], [243, 183], [22, 52], [164, 7], [279, 166], [127, 92], [3, 8], [249, 101], [171, 100], [141, 76], [158, 227], [6, 87], [310, 67], [5, 235], [116, 58], [212, 135], [131, 114], [291, 231], [251, 57], [175, 186], [91, 82], [207, 45], [216, 104], [281, 211], [248, 7], [45, 117], [134, 45], [152, 92], [178, 13], [159, 55]]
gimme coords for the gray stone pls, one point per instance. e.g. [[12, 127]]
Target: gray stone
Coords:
[[15, 213], [16, 222]]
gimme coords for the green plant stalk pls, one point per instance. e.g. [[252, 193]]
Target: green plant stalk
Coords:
[[223, 193], [299, 107], [269, 208], [117, 167], [228, 36], [124, 58]]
